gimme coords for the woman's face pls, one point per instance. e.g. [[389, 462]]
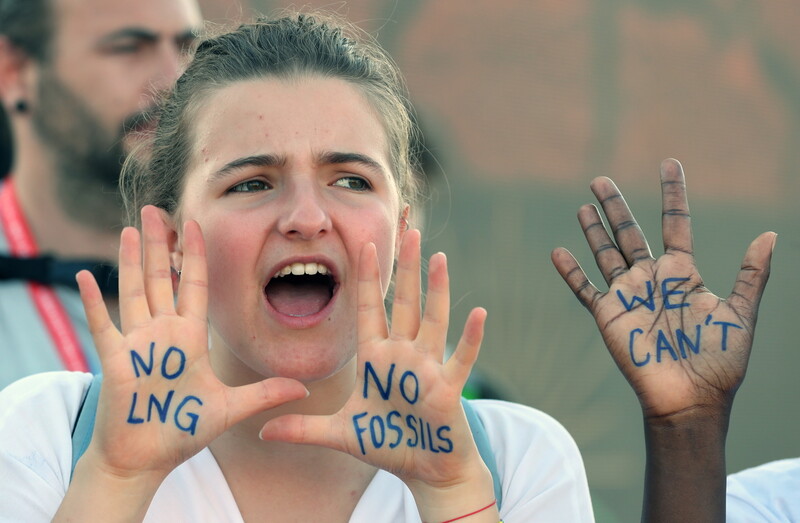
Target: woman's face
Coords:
[[289, 176]]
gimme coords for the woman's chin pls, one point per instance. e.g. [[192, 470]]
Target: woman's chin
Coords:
[[308, 361], [316, 370]]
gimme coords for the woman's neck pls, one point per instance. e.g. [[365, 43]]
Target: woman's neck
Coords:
[[288, 476], [300, 482], [326, 396]]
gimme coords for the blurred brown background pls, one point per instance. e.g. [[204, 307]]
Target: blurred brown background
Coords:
[[523, 102]]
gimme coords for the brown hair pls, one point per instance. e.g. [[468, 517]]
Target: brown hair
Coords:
[[29, 26]]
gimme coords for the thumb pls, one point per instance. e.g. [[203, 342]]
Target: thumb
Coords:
[[304, 429], [248, 400]]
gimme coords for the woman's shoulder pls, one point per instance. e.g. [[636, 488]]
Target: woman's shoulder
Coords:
[[45, 389], [45, 403], [517, 421], [519, 434], [539, 462], [36, 418]]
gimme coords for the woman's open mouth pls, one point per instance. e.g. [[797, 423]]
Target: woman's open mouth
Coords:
[[301, 289]]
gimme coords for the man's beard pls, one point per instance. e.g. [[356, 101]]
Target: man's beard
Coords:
[[88, 158]]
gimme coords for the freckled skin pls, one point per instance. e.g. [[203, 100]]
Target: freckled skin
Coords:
[[309, 182], [247, 234]]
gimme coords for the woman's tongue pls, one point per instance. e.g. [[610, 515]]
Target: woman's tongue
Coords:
[[298, 298]]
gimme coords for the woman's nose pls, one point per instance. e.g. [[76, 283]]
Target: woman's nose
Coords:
[[305, 216]]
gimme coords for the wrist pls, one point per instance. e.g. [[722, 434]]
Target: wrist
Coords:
[[470, 500], [685, 467], [98, 492], [695, 429]]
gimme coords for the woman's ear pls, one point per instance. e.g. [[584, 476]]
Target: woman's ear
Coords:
[[174, 244], [402, 228]]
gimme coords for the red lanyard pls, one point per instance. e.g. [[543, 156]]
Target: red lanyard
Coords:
[[22, 244]]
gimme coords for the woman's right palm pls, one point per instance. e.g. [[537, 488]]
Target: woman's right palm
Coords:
[[160, 401]]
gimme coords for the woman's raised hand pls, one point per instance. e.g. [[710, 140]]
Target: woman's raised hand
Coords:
[[160, 401], [405, 414], [680, 346]]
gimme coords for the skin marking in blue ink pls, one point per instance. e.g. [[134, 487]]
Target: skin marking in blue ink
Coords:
[[408, 374], [449, 448], [666, 293], [663, 344], [411, 423], [147, 367], [694, 345], [194, 417], [684, 341], [135, 357], [160, 408], [647, 302], [396, 428], [430, 439], [725, 325], [644, 362], [359, 431], [420, 433], [181, 363], [142, 367], [131, 419], [378, 436], [383, 391]]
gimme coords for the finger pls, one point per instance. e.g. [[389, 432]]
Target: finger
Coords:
[[433, 330], [406, 304], [247, 400], [157, 275], [676, 221], [569, 269], [304, 430], [371, 313], [466, 354], [133, 308], [104, 333], [754, 273], [193, 287], [627, 233], [608, 258]]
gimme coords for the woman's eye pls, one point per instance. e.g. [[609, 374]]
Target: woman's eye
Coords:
[[250, 186], [354, 183]]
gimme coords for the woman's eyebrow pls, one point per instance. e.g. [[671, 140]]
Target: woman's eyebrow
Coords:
[[261, 160], [362, 159], [271, 160]]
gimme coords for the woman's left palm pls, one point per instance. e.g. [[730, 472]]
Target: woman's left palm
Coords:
[[405, 413]]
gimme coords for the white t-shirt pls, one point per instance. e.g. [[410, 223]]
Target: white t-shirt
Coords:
[[542, 471], [767, 493]]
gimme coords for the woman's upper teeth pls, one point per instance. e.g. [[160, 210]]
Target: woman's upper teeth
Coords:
[[299, 269]]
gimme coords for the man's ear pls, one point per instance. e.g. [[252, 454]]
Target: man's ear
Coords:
[[402, 228], [16, 75]]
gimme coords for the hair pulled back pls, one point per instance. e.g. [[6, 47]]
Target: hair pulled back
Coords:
[[283, 48]]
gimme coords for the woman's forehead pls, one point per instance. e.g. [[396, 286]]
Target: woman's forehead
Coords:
[[287, 117]]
